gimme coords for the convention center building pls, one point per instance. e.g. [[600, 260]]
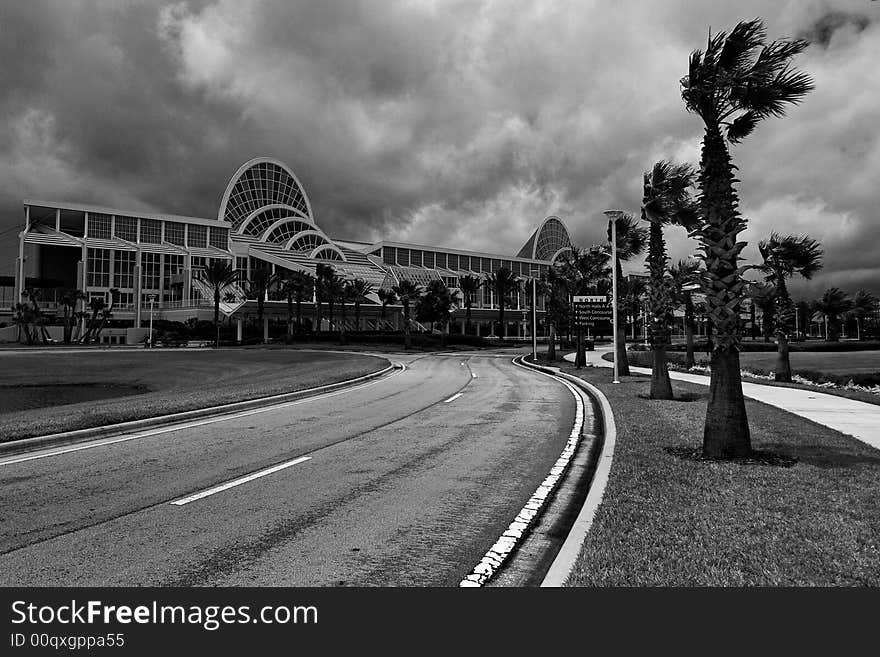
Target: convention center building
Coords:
[[265, 220]]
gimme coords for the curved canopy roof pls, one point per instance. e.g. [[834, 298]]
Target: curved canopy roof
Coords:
[[261, 182], [547, 242]]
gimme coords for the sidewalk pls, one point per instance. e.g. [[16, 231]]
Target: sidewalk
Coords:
[[854, 418]]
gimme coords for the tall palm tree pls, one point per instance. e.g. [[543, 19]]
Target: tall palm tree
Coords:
[[785, 256], [733, 85], [360, 289], [553, 286], [106, 313], [763, 298], [261, 281], [297, 286], [631, 241], [217, 275], [685, 279], [833, 303], [864, 305], [633, 290], [666, 200], [470, 287], [503, 283], [407, 292], [388, 298]]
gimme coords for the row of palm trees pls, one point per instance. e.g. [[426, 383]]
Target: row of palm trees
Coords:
[[80, 326]]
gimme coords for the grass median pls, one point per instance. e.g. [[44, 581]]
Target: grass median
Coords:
[[668, 521], [52, 392]]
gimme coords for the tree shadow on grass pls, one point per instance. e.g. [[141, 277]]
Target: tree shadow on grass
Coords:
[[679, 397], [758, 457], [827, 457]]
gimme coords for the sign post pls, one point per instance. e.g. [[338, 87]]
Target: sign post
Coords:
[[590, 311]]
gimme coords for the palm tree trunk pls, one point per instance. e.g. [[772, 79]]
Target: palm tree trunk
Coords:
[[551, 344], [299, 314], [289, 316], [407, 342], [726, 431], [689, 360], [467, 323], [661, 386], [782, 370], [501, 317], [622, 362]]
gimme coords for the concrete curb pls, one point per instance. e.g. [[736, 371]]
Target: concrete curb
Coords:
[[525, 519], [563, 565], [14, 447]]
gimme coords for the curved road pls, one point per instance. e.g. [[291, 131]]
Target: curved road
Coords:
[[404, 481]]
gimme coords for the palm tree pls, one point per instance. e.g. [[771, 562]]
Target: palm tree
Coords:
[[736, 83], [96, 305], [864, 305], [70, 298], [631, 241], [666, 200], [553, 286], [23, 317], [407, 292], [106, 313], [436, 305], [388, 298], [832, 305], [218, 275], [503, 283], [261, 281], [470, 287], [685, 277], [360, 289], [763, 298], [333, 288], [297, 286], [632, 293], [322, 274], [785, 256]]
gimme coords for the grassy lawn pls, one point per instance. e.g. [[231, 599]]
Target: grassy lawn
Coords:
[[839, 362], [665, 521], [47, 393], [643, 359]]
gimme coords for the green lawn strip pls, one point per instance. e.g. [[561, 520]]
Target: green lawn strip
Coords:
[[643, 359], [177, 381], [665, 521]]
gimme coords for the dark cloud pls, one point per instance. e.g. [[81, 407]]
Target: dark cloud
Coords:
[[460, 123]]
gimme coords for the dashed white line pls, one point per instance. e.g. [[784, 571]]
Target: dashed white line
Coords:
[[473, 375], [453, 398], [239, 481]]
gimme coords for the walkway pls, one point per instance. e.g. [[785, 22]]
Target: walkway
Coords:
[[854, 418]]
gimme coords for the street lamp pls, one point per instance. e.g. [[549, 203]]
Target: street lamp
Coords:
[[152, 299], [613, 216], [535, 273]]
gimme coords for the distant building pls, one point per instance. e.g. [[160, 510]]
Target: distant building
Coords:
[[265, 220]]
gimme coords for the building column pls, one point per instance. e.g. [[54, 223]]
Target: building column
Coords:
[[138, 293], [239, 329]]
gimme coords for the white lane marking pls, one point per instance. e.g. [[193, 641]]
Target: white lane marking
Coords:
[[473, 375], [180, 427], [453, 398], [239, 481]]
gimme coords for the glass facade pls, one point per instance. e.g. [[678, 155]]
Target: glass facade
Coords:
[[123, 269], [197, 236], [175, 232], [99, 226], [151, 231], [150, 271], [126, 228], [98, 268]]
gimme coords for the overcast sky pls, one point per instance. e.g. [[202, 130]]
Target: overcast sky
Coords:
[[457, 123]]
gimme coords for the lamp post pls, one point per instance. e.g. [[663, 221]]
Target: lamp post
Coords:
[[534, 273], [152, 299], [613, 216]]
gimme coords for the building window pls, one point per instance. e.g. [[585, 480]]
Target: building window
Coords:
[[389, 255], [98, 273], [415, 258], [123, 269], [150, 271], [403, 257], [452, 261], [441, 261], [124, 300], [220, 238], [99, 226], [172, 289], [241, 268], [151, 231], [126, 228], [174, 232], [428, 259], [198, 236]]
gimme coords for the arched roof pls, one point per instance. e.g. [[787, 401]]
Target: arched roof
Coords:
[[548, 241], [260, 182]]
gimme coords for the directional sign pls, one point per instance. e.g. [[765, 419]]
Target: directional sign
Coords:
[[592, 311]]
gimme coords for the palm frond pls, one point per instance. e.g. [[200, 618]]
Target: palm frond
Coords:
[[741, 127], [737, 52]]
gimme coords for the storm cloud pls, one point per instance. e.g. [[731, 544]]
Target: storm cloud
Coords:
[[458, 123]]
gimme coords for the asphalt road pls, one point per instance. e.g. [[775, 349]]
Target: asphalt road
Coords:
[[409, 480]]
